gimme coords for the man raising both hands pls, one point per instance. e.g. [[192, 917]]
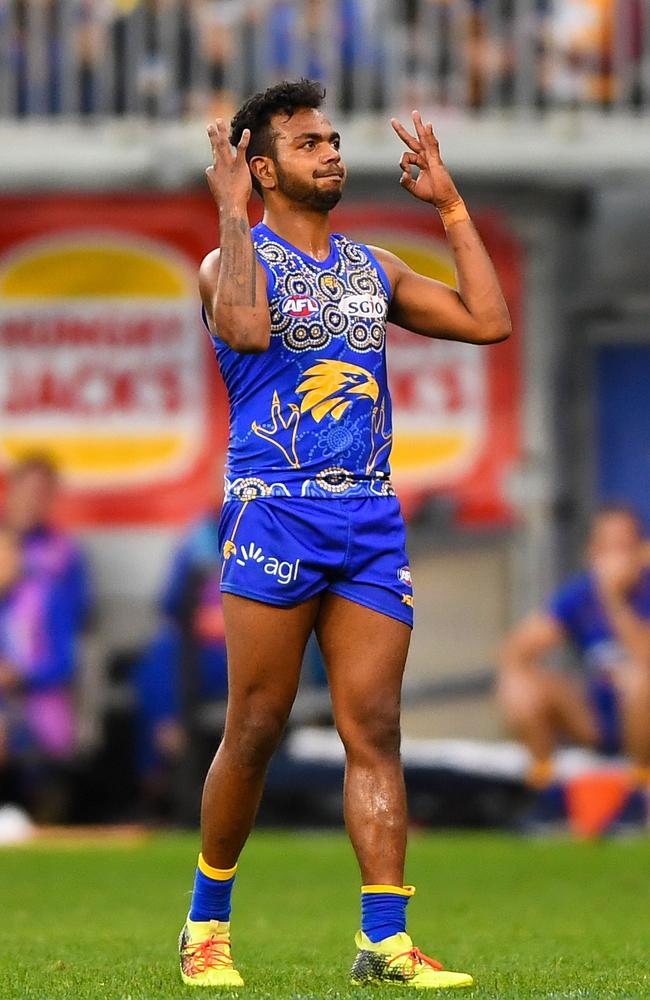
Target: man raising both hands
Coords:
[[311, 533]]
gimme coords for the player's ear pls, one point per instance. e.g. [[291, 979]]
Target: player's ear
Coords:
[[263, 168]]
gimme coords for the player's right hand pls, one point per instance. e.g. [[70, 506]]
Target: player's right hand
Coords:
[[617, 573], [229, 178]]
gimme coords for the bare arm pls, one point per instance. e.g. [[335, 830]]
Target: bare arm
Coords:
[[476, 312], [234, 324], [232, 281], [632, 631], [616, 576], [529, 642]]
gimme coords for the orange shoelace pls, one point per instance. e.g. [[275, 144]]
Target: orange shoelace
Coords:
[[416, 958], [209, 954]]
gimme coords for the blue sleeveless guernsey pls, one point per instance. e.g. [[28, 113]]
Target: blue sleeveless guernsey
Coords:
[[310, 420], [311, 416]]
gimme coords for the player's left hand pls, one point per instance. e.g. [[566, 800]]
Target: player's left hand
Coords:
[[433, 182]]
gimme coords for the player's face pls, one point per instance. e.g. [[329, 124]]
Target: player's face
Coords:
[[29, 499], [615, 537], [307, 159]]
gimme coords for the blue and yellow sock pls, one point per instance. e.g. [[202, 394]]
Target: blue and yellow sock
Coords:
[[383, 910], [212, 892]]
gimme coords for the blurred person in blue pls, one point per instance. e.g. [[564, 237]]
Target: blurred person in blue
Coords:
[[296, 33], [37, 660], [190, 638], [31, 493], [604, 613], [38, 81]]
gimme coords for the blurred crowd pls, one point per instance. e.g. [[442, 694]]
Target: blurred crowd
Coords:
[[171, 58], [47, 608], [176, 58]]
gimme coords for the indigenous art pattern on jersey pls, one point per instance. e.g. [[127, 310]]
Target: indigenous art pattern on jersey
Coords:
[[311, 416]]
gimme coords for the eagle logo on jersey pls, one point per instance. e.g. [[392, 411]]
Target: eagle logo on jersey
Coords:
[[330, 387], [327, 388]]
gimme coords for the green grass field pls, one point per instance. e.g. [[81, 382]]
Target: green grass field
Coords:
[[529, 920]]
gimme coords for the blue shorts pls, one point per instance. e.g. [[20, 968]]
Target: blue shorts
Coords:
[[604, 702], [285, 551]]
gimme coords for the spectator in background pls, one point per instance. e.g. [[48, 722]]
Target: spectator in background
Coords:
[[117, 45], [37, 658], [48, 552], [34, 51], [605, 613], [490, 52], [90, 52], [579, 51], [334, 42], [295, 35], [195, 560], [216, 25], [185, 664]]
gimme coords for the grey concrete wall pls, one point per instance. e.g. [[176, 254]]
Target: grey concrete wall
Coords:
[[462, 606]]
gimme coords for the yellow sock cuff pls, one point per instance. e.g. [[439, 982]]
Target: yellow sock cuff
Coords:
[[540, 774], [396, 890], [218, 874]]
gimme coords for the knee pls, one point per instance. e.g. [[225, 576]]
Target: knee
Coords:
[[253, 737], [372, 734], [633, 692], [633, 682], [522, 698]]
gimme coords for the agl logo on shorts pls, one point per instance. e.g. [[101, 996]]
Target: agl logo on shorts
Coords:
[[284, 571]]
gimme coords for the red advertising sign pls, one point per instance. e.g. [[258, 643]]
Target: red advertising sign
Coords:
[[107, 368], [105, 364]]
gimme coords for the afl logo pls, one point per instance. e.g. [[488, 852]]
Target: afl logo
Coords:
[[299, 306]]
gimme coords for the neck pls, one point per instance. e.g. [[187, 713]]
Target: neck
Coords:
[[306, 230]]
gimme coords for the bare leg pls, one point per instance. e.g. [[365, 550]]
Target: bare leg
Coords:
[[633, 685], [265, 648], [365, 653], [539, 706]]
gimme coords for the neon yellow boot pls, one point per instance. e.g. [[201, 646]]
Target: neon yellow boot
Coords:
[[205, 954], [395, 960]]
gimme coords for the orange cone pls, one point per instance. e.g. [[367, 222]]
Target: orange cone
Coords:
[[594, 799]]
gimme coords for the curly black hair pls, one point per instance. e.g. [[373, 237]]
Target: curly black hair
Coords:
[[255, 114]]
